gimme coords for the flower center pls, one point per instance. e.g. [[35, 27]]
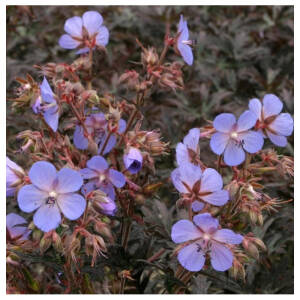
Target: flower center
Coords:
[[53, 194], [234, 135], [102, 177], [206, 236], [52, 198]]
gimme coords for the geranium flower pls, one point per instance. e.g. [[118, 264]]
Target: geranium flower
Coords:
[[84, 33], [198, 187], [183, 43], [14, 173], [133, 160], [47, 105], [16, 228], [235, 137], [96, 125], [51, 193], [202, 237], [271, 123], [189, 150], [101, 177]]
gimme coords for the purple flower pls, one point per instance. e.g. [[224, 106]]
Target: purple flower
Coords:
[[51, 193], [47, 105], [16, 228], [96, 125], [84, 33], [103, 178], [271, 123], [196, 186], [189, 150], [183, 42], [14, 173], [234, 137], [202, 237], [133, 160]]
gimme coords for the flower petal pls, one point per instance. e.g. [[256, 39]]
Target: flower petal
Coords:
[[80, 141], [89, 187], [72, 205], [221, 257], [246, 121], [218, 142], [102, 36], [51, 117], [234, 154], [278, 140], [87, 173], [253, 141], [182, 155], [191, 140], [47, 217], [67, 42], [186, 53], [97, 163], [271, 105], [43, 174], [73, 26], [15, 225], [197, 206], [211, 181], [217, 198], [255, 107], [83, 50], [122, 125], [92, 20], [68, 181], [176, 179], [110, 144], [46, 91], [224, 122], [206, 222], [227, 236], [109, 208], [190, 174], [116, 178], [30, 198], [183, 231], [283, 124], [108, 189], [191, 257]]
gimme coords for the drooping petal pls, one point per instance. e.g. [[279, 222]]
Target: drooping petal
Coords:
[[108, 189], [180, 24], [122, 125], [253, 141], [110, 144], [211, 181], [246, 121], [51, 117], [47, 217], [68, 181], [30, 198], [46, 91], [218, 142], [206, 222], [234, 154], [80, 141], [73, 26], [217, 198], [92, 20], [227, 236], [278, 140], [191, 257], [186, 53], [176, 179], [67, 42], [97, 163], [43, 174], [183, 231], [255, 107], [16, 225], [221, 257], [116, 178], [197, 206], [72, 205], [271, 105], [182, 155], [191, 140], [283, 124], [87, 173], [102, 36], [190, 174], [224, 122]]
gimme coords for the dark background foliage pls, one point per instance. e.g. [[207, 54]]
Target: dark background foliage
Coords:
[[241, 52]]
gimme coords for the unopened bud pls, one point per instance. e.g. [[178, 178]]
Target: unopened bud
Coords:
[[45, 243], [149, 57], [57, 242]]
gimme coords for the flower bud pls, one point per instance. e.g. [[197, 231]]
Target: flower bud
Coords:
[[14, 177], [133, 160], [45, 243], [131, 78], [149, 57], [57, 244]]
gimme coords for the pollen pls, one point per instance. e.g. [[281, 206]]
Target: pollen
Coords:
[[52, 194]]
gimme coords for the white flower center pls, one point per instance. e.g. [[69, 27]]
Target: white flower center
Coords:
[[234, 135], [52, 194], [102, 177], [206, 236]]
